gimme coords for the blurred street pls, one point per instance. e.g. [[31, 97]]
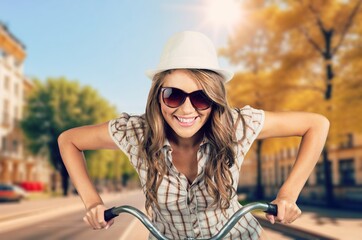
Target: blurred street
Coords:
[[61, 218]]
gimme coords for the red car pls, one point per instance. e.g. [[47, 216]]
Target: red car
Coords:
[[10, 192]]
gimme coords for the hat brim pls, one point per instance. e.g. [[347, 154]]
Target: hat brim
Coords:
[[226, 74]]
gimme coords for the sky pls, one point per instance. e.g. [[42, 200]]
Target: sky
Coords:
[[107, 44]]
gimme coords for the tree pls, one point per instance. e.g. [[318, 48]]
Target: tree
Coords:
[[325, 26], [55, 106], [251, 49], [315, 42], [110, 166]]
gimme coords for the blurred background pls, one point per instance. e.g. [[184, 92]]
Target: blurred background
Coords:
[[69, 63]]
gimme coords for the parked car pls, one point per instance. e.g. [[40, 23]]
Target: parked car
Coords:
[[31, 186], [10, 192]]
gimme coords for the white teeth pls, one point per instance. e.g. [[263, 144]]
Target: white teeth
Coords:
[[185, 120]]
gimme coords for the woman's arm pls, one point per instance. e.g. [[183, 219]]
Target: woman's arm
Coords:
[[72, 143], [313, 128]]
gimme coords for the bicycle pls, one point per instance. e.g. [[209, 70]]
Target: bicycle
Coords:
[[266, 207]]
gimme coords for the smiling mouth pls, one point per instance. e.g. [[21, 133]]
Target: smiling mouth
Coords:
[[186, 121]]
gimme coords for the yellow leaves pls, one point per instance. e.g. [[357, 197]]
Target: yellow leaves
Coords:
[[240, 90], [285, 20], [284, 49], [258, 90]]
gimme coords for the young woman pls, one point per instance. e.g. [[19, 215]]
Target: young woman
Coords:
[[189, 146]]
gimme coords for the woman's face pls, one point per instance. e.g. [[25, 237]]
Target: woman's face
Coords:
[[184, 120]]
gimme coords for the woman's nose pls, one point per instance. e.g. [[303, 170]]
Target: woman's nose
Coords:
[[187, 106]]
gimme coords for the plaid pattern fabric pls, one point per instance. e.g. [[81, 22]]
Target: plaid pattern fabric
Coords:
[[186, 209]]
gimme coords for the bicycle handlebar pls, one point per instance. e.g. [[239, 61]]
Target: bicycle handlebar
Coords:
[[266, 207]]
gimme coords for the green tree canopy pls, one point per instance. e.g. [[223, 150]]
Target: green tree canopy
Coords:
[[56, 105]]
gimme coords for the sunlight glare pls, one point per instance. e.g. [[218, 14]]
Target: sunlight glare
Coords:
[[222, 13]]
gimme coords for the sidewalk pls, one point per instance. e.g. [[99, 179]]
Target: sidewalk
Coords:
[[333, 224], [339, 224]]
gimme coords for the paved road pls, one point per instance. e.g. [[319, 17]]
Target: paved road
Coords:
[[71, 226], [61, 218]]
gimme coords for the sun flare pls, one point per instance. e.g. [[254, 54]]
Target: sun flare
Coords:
[[222, 13]]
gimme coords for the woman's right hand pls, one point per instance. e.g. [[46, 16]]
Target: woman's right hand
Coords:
[[95, 217]]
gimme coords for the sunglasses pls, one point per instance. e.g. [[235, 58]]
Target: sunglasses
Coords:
[[174, 97]]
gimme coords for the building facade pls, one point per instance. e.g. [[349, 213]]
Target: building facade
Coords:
[[16, 165], [346, 171]]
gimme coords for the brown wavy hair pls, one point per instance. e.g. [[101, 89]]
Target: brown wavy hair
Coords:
[[218, 129]]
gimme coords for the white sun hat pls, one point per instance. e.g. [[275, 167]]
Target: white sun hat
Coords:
[[189, 50]]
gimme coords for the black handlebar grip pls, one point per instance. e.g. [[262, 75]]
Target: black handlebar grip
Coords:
[[108, 214], [272, 209]]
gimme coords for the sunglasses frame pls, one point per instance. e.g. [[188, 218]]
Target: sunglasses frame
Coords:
[[186, 95]]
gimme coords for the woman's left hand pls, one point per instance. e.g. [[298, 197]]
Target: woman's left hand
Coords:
[[288, 211]]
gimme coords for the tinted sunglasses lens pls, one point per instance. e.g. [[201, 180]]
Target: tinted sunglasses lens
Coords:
[[200, 100], [173, 97]]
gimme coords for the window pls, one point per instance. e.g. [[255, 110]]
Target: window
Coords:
[[7, 83], [348, 142], [16, 89], [15, 146], [265, 177], [271, 179], [320, 174], [6, 116], [16, 114], [3, 144], [17, 63], [283, 173], [347, 172]]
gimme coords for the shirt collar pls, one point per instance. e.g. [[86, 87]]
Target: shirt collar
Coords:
[[166, 145], [204, 141]]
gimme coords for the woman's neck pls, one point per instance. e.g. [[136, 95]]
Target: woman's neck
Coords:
[[180, 142]]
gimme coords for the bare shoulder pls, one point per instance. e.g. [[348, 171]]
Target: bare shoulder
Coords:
[[285, 124]]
